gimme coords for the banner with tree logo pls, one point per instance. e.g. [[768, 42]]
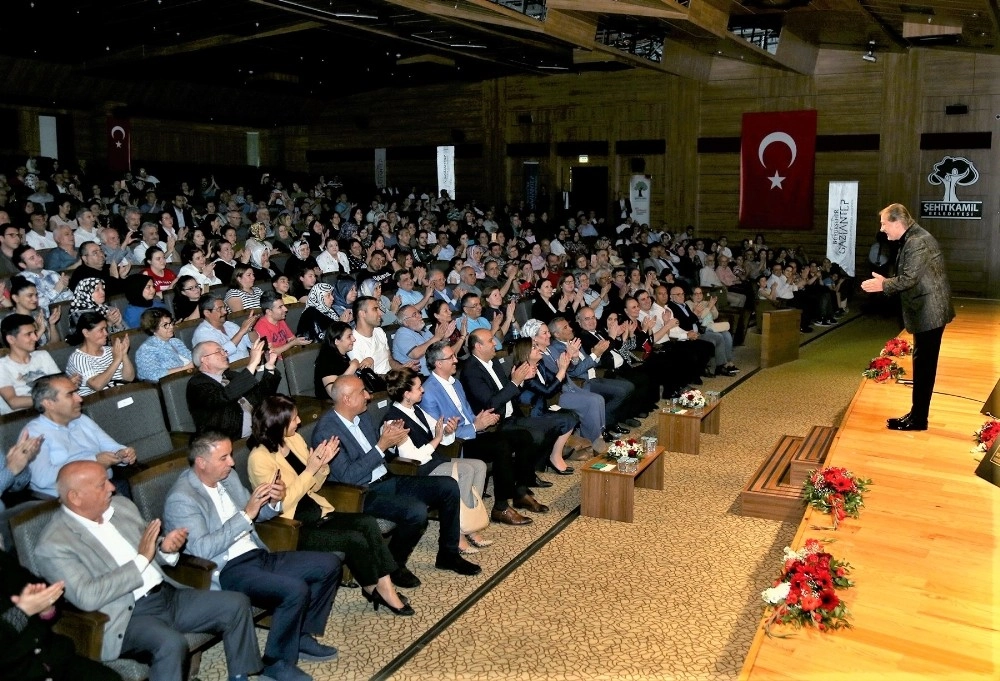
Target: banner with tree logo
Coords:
[[639, 189]]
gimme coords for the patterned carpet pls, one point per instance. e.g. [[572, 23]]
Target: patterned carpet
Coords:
[[673, 595]]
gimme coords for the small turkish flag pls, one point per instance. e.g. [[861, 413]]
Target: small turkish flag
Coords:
[[119, 144], [777, 170]]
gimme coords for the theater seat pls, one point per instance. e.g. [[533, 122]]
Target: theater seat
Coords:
[[173, 388], [132, 415]]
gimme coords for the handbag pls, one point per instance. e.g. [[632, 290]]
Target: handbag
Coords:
[[373, 382], [476, 517], [719, 327]]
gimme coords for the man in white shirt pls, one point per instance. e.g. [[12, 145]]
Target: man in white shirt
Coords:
[[370, 340], [86, 230], [150, 238], [23, 365], [109, 559], [37, 236]]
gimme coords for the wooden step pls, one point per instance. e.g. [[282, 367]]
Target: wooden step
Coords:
[[812, 453], [770, 494]]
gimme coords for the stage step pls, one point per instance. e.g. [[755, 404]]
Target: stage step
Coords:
[[812, 453], [770, 494]]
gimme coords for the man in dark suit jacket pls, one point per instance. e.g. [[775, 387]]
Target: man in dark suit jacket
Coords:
[[646, 393], [223, 400], [401, 499], [922, 285]]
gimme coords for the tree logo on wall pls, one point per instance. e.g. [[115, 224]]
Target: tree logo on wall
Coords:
[[952, 172], [639, 188]]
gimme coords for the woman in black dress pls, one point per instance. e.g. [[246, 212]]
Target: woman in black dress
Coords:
[[333, 362]]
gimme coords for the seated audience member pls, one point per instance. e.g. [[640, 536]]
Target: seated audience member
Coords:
[[473, 319], [412, 339], [407, 295], [140, 292], [156, 269], [301, 260], [187, 293], [10, 239], [272, 326], [161, 354], [67, 435], [23, 364], [115, 251], [98, 365], [332, 259], [150, 238], [64, 256], [319, 313], [90, 296], [439, 285], [303, 284], [95, 265], [706, 312], [276, 449], [225, 260], [24, 298], [704, 349], [260, 261], [345, 292], [223, 400], [52, 287], [242, 294], [511, 449], [37, 236], [235, 339], [405, 388], [108, 557], [196, 265], [370, 339], [15, 476], [402, 499], [32, 651], [646, 392], [372, 288], [333, 362], [542, 307], [707, 275], [218, 514], [282, 287]]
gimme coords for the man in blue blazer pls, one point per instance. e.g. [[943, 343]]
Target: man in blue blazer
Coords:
[[219, 514], [401, 499]]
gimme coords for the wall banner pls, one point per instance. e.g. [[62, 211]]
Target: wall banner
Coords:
[[842, 224], [446, 170], [380, 171], [639, 189]]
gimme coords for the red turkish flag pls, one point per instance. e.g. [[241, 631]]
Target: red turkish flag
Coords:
[[777, 170], [119, 144]]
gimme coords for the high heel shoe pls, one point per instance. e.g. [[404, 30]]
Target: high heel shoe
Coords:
[[566, 471], [377, 600]]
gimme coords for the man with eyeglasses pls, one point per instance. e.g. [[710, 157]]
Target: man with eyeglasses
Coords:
[[10, 239], [473, 319], [412, 338], [94, 265], [234, 339]]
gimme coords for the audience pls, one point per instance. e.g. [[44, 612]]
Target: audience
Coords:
[[23, 364], [98, 365], [161, 354]]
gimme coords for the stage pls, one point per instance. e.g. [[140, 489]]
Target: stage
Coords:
[[926, 602]]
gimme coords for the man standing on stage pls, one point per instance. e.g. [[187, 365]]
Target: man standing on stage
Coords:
[[922, 284]]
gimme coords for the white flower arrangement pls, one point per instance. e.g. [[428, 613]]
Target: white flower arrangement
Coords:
[[692, 399], [625, 449]]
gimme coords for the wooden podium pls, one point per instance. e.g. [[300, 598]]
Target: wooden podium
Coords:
[[779, 337]]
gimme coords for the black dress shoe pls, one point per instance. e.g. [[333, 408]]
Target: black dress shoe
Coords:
[[566, 471], [619, 430], [455, 563], [541, 483], [634, 423], [908, 425], [608, 437], [894, 423], [404, 579]]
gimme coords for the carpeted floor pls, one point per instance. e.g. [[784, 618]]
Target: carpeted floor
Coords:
[[673, 595]]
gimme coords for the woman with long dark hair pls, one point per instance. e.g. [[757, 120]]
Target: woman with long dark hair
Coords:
[[278, 450], [333, 362], [98, 365]]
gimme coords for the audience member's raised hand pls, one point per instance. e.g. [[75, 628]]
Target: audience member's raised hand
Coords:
[[174, 541], [485, 419], [23, 452], [393, 433], [148, 540], [451, 425], [36, 599], [522, 372], [250, 320], [257, 352], [260, 496]]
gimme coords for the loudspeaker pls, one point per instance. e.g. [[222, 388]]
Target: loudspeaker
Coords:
[[956, 110], [638, 165], [525, 119]]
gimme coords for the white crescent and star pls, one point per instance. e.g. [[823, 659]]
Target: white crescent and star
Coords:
[[777, 137], [118, 128]]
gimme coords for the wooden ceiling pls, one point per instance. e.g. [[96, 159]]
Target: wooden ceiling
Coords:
[[326, 49]]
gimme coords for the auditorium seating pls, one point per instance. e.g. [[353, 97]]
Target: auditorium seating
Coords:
[[132, 415]]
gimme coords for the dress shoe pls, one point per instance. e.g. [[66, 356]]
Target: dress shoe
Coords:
[[566, 471], [541, 483], [806, 329], [404, 579], [376, 600], [708, 373], [455, 563], [529, 503], [509, 516], [908, 424], [725, 371], [311, 650], [894, 423], [608, 437], [619, 429], [282, 671], [633, 423]]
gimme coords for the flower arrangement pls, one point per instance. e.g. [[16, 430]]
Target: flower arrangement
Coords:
[[836, 491], [896, 347], [805, 593], [692, 399], [986, 435], [882, 369], [626, 449]]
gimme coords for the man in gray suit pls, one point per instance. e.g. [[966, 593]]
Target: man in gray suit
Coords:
[[108, 558], [922, 285]]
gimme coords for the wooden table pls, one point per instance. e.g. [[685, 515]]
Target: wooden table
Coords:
[[682, 432], [610, 494]]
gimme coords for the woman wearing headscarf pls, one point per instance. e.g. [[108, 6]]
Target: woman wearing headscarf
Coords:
[[89, 296], [300, 260], [284, 234], [474, 260], [260, 261], [140, 292], [373, 289], [344, 294], [318, 315]]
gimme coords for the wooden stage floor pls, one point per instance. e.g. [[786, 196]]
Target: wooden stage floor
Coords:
[[926, 600]]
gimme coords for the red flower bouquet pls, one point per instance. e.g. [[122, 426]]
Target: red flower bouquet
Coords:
[[882, 369], [896, 347], [805, 593], [986, 435], [836, 491]]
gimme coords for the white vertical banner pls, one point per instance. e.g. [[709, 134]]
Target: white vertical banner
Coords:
[[47, 137], [381, 179], [253, 149], [842, 224], [639, 189], [446, 170]]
